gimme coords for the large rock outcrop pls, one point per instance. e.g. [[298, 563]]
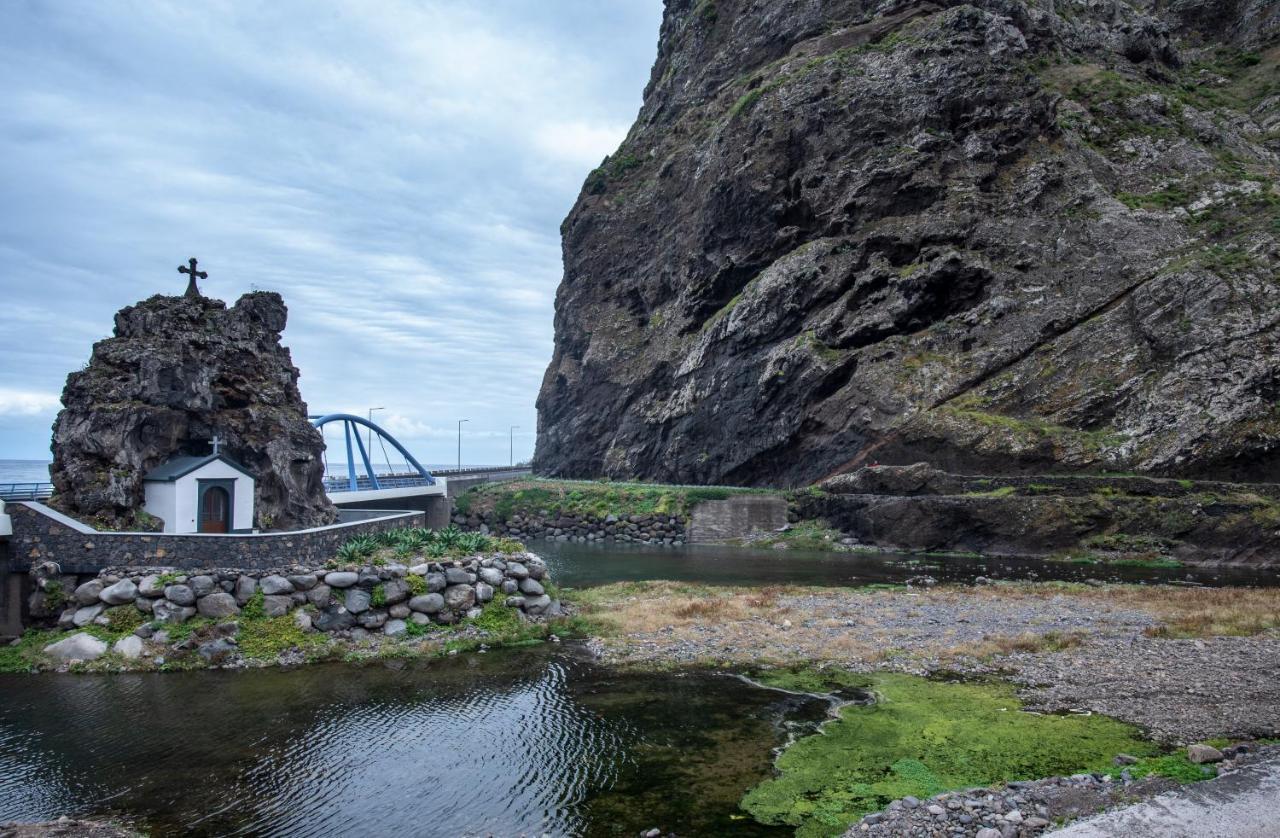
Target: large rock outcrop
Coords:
[[1000, 236], [178, 371]]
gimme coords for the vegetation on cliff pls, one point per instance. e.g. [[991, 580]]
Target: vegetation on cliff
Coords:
[[1001, 236], [597, 499]]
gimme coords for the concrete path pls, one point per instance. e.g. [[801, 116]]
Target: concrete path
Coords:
[[1242, 804]]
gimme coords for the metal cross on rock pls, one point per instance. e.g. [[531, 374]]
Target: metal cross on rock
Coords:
[[192, 290]]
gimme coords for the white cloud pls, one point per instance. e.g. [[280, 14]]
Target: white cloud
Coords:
[[399, 177], [27, 403], [582, 144]]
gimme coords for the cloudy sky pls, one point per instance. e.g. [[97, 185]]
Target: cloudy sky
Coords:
[[397, 169]]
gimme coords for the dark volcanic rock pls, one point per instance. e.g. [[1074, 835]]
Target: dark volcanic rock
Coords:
[[998, 236], [176, 372]]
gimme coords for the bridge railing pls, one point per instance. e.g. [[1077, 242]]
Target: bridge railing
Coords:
[[26, 491], [407, 481]]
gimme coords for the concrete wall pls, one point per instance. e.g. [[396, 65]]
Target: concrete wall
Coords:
[[41, 533], [436, 507], [736, 517]]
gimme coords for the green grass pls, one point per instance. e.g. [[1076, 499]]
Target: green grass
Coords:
[[812, 535], [920, 738], [419, 542], [591, 499], [612, 169], [26, 654], [1163, 199]]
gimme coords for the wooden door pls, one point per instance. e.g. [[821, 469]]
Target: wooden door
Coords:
[[215, 509]]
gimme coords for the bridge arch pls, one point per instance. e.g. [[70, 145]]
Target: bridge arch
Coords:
[[350, 428]]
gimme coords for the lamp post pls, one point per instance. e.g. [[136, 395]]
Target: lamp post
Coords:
[[511, 443], [369, 434], [460, 421]]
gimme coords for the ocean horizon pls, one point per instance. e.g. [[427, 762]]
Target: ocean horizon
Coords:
[[37, 471]]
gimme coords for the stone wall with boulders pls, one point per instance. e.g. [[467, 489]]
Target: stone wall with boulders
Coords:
[[669, 530], [342, 600]]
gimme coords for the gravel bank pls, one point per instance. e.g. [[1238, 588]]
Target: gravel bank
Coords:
[[1069, 649], [1180, 691], [1020, 810]]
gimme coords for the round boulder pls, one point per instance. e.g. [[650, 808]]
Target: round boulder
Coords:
[[87, 594], [82, 647], [245, 588], [167, 611], [275, 585], [341, 579], [319, 595], [129, 647], [303, 581], [85, 616], [120, 593], [459, 597], [427, 603], [357, 600], [276, 605], [220, 604], [180, 595]]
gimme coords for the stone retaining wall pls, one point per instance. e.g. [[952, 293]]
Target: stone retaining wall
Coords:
[[42, 534], [666, 530], [346, 600]]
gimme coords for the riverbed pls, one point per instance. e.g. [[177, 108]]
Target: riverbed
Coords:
[[523, 741]]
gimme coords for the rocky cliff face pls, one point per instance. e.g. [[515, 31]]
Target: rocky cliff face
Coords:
[[999, 236], [178, 371]]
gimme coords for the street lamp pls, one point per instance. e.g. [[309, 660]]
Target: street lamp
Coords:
[[460, 421], [511, 443], [369, 437]]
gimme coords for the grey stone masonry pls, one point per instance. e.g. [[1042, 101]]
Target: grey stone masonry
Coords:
[[41, 534], [666, 530]]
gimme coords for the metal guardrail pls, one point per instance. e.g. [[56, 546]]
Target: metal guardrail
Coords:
[[26, 491], [481, 470], [335, 485]]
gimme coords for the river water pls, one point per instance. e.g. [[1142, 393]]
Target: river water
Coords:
[[523, 741], [538, 740], [585, 565]]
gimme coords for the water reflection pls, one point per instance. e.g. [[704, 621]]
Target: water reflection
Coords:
[[584, 565], [528, 741]]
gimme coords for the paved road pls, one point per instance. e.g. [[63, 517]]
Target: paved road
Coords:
[[1242, 804]]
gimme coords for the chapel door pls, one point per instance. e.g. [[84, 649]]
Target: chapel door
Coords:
[[215, 509]]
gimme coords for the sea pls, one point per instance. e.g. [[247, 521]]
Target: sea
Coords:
[[37, 471], [24, 471]]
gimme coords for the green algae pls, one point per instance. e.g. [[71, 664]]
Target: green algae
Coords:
[[920, 738]]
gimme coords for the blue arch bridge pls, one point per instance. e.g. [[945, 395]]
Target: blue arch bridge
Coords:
[[352, 478], [355, 482]]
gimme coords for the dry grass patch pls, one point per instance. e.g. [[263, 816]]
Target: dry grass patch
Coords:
[[993, 646], [1207, 612]]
